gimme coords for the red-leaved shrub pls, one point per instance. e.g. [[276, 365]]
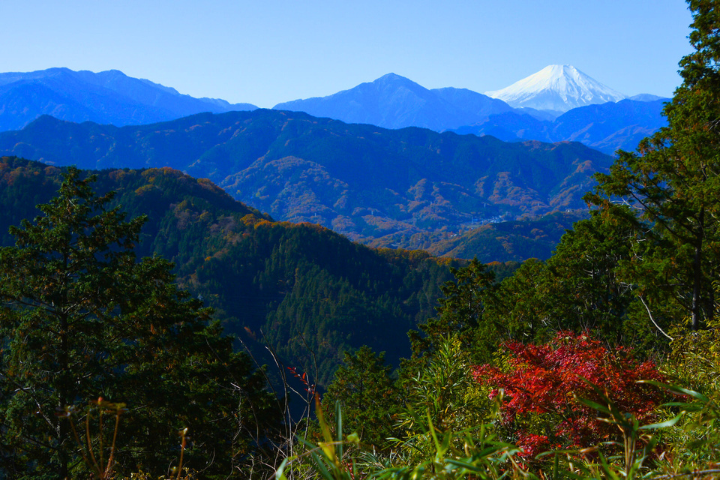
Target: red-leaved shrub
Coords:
[[544, 382]]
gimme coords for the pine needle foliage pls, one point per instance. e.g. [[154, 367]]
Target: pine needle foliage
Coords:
[[82, 318]]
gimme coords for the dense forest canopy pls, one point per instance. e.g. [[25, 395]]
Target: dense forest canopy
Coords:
[[299, 287], [83, 319]]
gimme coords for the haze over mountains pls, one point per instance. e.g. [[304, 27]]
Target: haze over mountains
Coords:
[[109, 97], [543, 100], [605, 127], [397, 187], [391, 101]]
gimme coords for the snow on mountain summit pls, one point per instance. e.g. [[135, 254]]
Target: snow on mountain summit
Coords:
[[556, 87]]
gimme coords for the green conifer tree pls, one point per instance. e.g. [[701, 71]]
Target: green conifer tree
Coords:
[[673, 180], [461, 313], [81, 318], [369, 400]]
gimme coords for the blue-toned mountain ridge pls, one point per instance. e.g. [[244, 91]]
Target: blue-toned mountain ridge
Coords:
[[109, 97], [393, 101], [606, 127]]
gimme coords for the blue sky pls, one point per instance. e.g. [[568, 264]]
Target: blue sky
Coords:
[[269, 51]]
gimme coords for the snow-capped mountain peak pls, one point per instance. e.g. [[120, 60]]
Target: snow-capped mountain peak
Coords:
[[556, 87]]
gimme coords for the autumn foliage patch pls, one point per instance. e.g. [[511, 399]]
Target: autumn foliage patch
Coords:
[[542, 384]]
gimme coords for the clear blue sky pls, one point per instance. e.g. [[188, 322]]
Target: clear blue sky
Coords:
[[269, 51]]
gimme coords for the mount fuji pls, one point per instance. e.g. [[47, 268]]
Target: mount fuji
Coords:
[[556, 87]]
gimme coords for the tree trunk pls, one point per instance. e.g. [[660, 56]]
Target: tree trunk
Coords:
[[697, 276]]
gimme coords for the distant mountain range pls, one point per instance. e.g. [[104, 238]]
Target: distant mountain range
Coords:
[[109, 97], [606, 127], [391, 101], [395, 102], [384, 187]]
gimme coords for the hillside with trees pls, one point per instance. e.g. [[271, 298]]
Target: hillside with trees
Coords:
[[83, 318], [300, 288], [371, 184]]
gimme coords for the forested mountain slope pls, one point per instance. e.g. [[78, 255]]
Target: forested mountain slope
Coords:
[[299, 287], [362, 181], [510, 241]]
